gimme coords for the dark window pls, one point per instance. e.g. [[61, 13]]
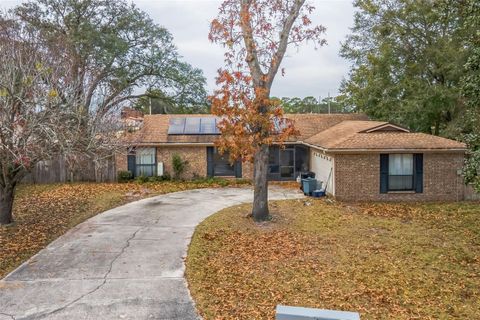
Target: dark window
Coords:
[[222, 166], [301, 159], [145, 162], [286, 163], [400, 172], [273, 160]]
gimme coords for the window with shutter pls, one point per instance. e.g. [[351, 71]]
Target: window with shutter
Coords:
[[400, 172]]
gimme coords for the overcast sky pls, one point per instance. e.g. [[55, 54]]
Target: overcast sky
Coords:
[[309, 72]]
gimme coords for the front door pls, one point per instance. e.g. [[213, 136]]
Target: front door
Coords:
[[218, 165]]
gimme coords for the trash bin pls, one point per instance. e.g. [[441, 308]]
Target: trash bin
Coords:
[[318, 193], [309, 184], [307, 174]]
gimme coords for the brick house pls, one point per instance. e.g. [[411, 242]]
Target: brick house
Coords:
[[355, 158]]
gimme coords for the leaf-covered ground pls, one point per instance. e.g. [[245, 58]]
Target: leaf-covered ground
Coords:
[[386, 261], [44, 212]]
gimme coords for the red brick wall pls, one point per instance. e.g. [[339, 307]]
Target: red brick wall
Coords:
[[121, 162], [196, 157], [357, 178]]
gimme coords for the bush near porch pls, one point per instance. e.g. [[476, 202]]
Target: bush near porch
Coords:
[[42, 213], [386, 261]]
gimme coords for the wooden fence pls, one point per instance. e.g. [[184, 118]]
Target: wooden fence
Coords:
[[57, 171], [471, 194]]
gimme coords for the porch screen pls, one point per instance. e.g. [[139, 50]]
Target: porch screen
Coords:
[[145, 162], [400, 172]]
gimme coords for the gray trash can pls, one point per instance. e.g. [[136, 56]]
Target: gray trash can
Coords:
[[309, 184]]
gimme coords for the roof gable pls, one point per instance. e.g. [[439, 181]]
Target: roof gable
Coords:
[[338, 133], [375, 135], [386, 127]]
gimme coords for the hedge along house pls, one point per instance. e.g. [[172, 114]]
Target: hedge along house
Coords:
[[355, 158]]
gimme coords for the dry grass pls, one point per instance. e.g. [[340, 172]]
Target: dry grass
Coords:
[[386, 261], [44, 212]]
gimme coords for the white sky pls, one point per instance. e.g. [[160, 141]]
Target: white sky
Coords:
[[309, 72]]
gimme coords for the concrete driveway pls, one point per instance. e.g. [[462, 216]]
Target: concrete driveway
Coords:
[[126, 263]]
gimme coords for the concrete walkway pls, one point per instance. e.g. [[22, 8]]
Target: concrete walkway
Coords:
[[126, 263]]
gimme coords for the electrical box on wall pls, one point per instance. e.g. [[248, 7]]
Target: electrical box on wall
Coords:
[[160, 169]]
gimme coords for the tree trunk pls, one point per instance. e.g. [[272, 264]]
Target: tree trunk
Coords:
[[260, 196], [6, 204]]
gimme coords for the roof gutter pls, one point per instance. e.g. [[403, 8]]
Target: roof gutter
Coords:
[[396, 150]]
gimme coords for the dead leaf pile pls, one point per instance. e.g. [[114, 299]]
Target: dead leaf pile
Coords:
[[325, 256]]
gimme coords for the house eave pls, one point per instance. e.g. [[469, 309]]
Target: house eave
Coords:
[[397, 150], [325, 150]]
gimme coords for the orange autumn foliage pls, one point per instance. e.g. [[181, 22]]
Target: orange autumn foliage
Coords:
[[255, 35]]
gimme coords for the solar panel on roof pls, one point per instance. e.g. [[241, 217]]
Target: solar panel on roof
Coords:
[[208, 126], [176, 126], [192, 125]]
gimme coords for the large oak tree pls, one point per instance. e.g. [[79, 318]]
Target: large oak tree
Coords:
[[256, 34], [112, 49], [95, 56], [113, 52]]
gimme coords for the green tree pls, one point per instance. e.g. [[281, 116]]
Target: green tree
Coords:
[[112, 51], [188, 102], [112, 48], [408, 59], [313, 105], [471, 91]]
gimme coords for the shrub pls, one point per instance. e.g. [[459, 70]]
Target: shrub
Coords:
[[141, 179], [124, 176], [223, 182], [178, 165], [166, 176], [154, 179]]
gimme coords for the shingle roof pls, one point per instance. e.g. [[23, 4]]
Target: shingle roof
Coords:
[[333, 132], [155, 130], [335, 135], [352, 135], [398, 140], [310, 124], [155, 127]]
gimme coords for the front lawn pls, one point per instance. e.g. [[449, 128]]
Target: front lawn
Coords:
[[44, 212], [386, 261]]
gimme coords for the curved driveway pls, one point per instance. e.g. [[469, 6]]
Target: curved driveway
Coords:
[[126, 263]]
